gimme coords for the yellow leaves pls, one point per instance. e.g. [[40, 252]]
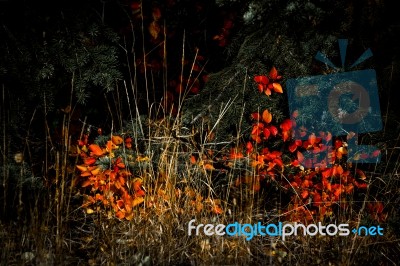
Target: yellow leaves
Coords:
[[137, 201], [340, 152], [84, 148], [142, 159]]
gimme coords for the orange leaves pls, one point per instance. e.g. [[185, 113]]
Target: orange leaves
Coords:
[[112, 189], [86, 183], [82, 168], [137, 187], [267, 161], [87, 171], [267, 116], [235, 154], [89, 161], [193, 159], [136, 201], [324, 187], [208, 166], [197, 203], [95, 150], [109, 179], [300, 156], [277, 87], [97, 170], [117, 140], [268, 84]]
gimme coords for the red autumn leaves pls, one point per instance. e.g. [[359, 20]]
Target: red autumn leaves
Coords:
[[323, 189], [324, 184], [262, 130], [269, 83]]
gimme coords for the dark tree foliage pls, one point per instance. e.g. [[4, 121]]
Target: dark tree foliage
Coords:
[[50, 53], [287, 35]]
